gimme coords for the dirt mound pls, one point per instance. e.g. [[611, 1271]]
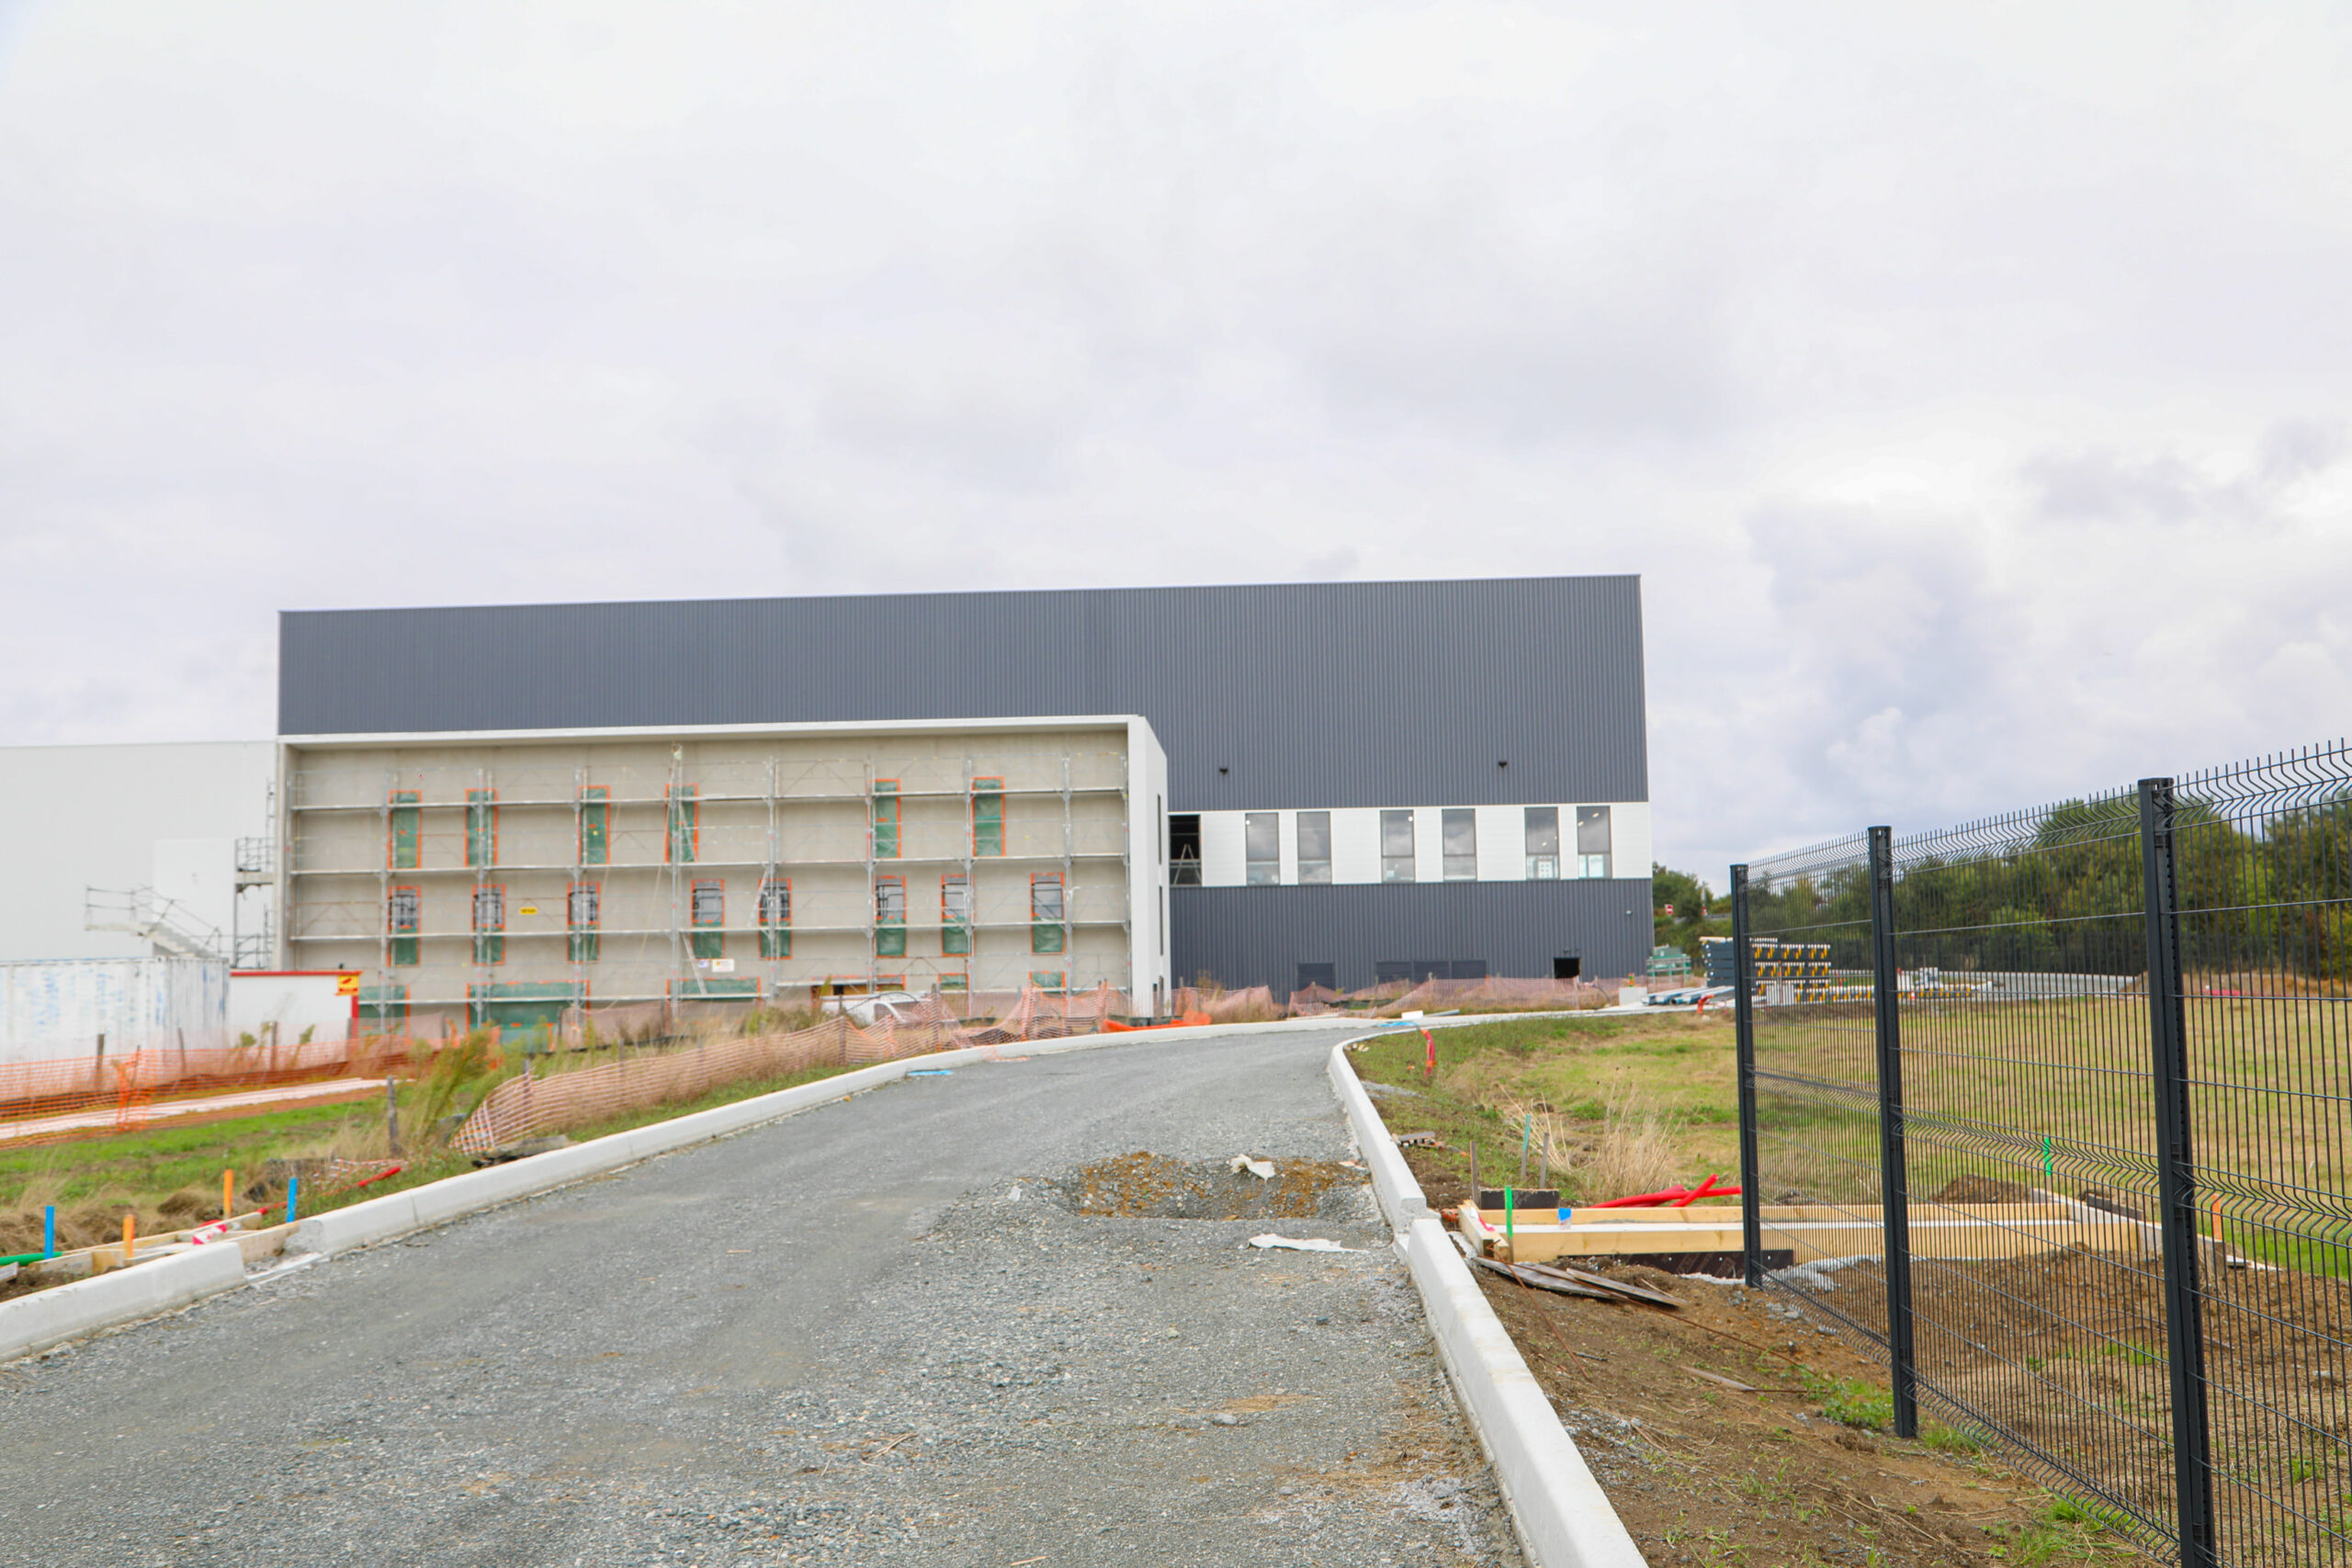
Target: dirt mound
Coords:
[[1983, 1190], [1143, 1185]]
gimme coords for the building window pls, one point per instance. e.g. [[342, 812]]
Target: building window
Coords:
[[889, 917], [1314, 846], [775, 918], [1046, 932], [955, 982], [583, 911], [683, 841], [481, 827], [1184, 848], [987, 817], [1049, 979], [1262, 839], [1592, 840], [1460, 825], [1543, 843], [954, 915], [596, 826], [1397, 846], [489, 923], [403, 916], [401, 834], [707, 913], [886, 819]]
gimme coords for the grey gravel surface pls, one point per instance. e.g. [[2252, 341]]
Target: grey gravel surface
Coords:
[[840, 1339]]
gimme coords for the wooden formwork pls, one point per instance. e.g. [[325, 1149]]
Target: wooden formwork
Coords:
[[1806, 1230]]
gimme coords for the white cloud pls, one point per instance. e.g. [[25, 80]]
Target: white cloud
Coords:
[[1968, 389]]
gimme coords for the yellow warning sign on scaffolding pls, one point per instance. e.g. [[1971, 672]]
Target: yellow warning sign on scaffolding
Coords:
[[346, 984]]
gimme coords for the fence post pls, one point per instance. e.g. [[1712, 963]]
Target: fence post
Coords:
[[1894, 1212], [1743, 1014], [2177, 1178]]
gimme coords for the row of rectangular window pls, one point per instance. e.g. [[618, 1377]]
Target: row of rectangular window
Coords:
[[683, 833], [1458, 845], [707, 918]]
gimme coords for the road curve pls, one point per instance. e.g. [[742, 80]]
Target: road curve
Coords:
[[839, 1338]]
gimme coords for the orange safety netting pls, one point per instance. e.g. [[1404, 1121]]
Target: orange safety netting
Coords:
[[532, 1104], [1499, 992], [129, 1083]]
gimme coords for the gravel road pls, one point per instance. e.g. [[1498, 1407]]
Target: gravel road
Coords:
[[840, 1339]]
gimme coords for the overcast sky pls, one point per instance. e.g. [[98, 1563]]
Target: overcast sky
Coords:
[[1970, 393]]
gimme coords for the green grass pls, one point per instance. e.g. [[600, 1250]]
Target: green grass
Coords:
[[92, 1181], [1851, 1402], [1490, 1075]]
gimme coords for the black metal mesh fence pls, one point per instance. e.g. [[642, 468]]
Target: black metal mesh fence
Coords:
[[2127, 1259]]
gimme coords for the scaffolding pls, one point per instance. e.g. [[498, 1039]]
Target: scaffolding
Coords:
[[447, 872]]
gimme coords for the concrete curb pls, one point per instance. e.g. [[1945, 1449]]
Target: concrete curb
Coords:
[[1564, 1519], [32, 1324]]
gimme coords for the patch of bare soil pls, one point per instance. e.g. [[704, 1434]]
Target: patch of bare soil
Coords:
[[1783, 1469], [1703, 1473], [1144, 1185]]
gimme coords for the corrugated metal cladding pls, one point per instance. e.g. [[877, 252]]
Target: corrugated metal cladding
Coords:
[[1359, 694], [1260, 936]]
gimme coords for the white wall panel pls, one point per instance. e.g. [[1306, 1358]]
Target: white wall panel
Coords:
[[1355, 845], [1502, 843], [1225, 852], [77, 817], [1629, 838], [1287, 836], [1428, 843]]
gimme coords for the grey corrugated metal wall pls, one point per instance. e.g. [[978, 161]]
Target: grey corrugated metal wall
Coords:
[[1258, 936], [1269, 697], [1377, 693]]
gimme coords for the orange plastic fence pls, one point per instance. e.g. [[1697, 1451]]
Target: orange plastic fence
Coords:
[[525, 1107], [129, 1082]]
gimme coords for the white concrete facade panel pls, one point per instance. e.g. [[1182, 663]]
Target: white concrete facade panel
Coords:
[[1356, 843]]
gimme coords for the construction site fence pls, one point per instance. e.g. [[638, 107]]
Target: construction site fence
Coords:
[[2069, 1156], [126, 1082]]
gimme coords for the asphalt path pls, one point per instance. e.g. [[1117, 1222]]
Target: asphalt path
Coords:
[[873, 1332]]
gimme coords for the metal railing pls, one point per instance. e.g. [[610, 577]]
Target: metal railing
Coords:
[[2075, 1164]]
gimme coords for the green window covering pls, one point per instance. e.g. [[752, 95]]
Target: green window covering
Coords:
[[890, 917], [490, 924], [1046, 930], [886, 819], [406, 829], [776, 919], [383, 1004], [481, 827], [685, 824], [403, 913], [595, 842], [583, 913], [709, 912], [988, 817], [955, 916]]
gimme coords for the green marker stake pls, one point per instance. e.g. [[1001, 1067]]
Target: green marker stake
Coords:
[[2049, 1169], [1510, 1231]]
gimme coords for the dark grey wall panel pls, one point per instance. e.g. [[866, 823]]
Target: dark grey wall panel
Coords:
[[1374, 694], [1258, 936]]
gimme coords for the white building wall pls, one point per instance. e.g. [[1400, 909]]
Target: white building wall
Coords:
[[51, 1010], [1356, 843], [77, 817], [1224, 850], [1502, 843]]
